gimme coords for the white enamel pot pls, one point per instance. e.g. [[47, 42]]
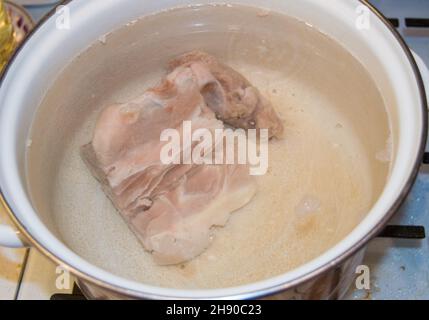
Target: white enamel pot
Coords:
[[48, 50]]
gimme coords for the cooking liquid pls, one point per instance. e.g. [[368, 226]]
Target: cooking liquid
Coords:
[[323, 177]]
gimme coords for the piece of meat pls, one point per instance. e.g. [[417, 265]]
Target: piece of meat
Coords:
[[126, 144], [178, 226], [171, 208], [230, 95]]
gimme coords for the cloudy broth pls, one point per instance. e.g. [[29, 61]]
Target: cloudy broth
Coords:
[[323, 177]]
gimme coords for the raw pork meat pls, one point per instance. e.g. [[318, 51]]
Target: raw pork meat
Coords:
[[230, 95], [173, 208]]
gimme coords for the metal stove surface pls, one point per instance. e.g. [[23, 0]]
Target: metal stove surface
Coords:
[[399, 268]]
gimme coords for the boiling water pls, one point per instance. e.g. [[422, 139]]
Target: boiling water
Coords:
[[323, 176]]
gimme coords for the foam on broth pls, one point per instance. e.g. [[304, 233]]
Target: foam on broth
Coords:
[[322, 178]]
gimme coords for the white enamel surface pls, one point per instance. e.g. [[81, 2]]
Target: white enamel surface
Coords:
[[50, 49], [9, 238], [424, 71]]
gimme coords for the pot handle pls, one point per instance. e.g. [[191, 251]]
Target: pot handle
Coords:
[[9, 237]]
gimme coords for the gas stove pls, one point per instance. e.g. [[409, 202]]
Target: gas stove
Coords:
[[399, 268]]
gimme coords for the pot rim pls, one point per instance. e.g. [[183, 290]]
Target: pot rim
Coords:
[[276, 288]]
